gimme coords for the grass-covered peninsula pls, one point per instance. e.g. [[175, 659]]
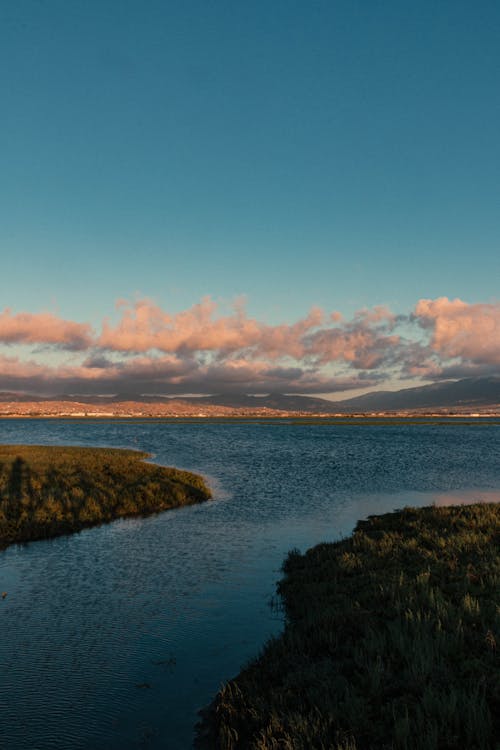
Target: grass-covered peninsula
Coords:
[[47, 491], [392, 642]]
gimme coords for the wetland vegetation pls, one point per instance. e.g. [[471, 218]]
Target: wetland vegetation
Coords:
[[48, 491], [391, 642]]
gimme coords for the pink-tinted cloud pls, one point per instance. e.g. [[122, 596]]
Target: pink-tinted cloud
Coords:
[[202, 350], [169, 374], [365, 342], [43, 328], [145, 327], [470, 332], [13, 369]]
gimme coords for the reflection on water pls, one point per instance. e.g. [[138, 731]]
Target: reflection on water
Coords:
[[466, 497], [114, 637]]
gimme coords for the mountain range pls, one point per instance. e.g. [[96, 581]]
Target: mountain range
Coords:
[[466, 394], [469, 393]]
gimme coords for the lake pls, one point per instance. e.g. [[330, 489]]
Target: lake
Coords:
[[116, 636]]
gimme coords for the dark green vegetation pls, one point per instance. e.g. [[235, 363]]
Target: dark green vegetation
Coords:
[[392, 641], [45, 491]]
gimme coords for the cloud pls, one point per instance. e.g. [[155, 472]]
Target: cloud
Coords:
[[461, 330], [202, 350], [144, 327], [43, 328], [97, 361], [12, 369], [365, 342], [170, 375]]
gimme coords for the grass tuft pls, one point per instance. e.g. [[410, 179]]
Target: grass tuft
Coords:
[[390, 643], [48, 491]]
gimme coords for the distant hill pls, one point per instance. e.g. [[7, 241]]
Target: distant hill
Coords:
[[13, 398], [467, 394], [271, 401]]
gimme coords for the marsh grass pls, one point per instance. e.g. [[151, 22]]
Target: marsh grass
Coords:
[[392, 642], [48, 491]]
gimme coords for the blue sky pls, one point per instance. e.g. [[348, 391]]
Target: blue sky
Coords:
[[339, 154]]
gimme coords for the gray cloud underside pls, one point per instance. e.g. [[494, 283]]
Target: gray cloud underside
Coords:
[[200, 350]]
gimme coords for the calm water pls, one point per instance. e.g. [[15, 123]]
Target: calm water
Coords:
[[115, 637]]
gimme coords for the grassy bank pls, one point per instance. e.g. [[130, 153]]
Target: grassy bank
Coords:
[[47, 491], [392, 642]]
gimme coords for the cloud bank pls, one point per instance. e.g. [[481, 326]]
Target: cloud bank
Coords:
[[43, 328], [201, 350]]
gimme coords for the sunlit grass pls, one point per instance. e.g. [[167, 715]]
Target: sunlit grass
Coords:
[[392, 642], [47, 491]]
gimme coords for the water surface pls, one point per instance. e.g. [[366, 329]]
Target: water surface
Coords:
[[116, 636]]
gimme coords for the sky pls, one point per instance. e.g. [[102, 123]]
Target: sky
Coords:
[[225, 196]]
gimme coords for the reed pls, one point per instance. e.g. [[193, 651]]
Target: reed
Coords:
[[391, 642], [48, 491]]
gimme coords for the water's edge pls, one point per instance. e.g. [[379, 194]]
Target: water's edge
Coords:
[[116, 636]]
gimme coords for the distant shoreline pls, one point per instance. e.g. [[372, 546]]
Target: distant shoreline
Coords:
[[312, 418], [179, 410]]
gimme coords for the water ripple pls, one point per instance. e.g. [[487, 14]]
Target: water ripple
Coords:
[[114, 637]]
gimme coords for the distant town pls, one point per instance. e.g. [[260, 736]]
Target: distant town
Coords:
[[178, 409], [469, 397]]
